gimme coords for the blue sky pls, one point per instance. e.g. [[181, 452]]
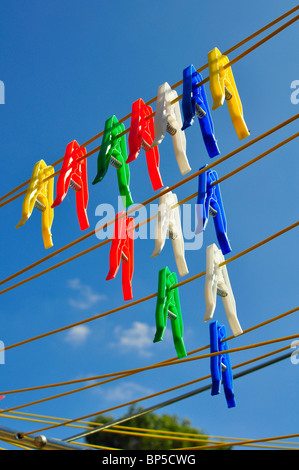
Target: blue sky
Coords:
[[67, 66]]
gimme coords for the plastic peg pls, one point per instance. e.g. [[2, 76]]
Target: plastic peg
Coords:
[[217, 283], [169, 223], [40, 195], [220, 365], [195, 103], [142, 135], [168, 120], [209, 202], [168, 307], [74, 174], [114, 151], [223, 88], [122, 252]]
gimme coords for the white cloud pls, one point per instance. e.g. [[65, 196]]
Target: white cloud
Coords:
[[77, 335], [125, 392], [87, 297], [139, 337]]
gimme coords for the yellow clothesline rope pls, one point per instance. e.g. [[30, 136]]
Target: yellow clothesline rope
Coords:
[[247, 442], [173, 388], [236, 59], [202, 348], [144, 203], [151, 296], [143, 432]]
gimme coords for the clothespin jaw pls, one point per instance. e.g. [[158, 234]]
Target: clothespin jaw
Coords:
[[194, 102], [122, 252], [114, 151], [40, 195], [220, 364], [142, 135], [74, 174], [209, 202], [169, 222], [217, 283], [168, 306], [168, 120], [223, 87]]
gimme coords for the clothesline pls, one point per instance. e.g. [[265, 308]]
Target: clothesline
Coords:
[[173, 361], [165, 191], [233, 61], [170, 401]]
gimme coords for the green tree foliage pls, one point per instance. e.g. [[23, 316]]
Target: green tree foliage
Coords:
[[149, 421]]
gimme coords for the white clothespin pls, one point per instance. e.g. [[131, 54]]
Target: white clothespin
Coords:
[[168, 119], [169, 222], [217, 282]]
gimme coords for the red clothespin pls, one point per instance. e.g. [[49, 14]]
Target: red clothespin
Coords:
[[74, 174], [142, 135], [122, 250]]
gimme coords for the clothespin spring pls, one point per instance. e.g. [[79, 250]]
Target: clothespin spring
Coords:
[[145, 146], [221, 289], [39, 205], [116, 163], [228, 94], [170, 129], [212, 211], [75, 186], [221, 292], [172, 235], [199, 111], [171, 315]]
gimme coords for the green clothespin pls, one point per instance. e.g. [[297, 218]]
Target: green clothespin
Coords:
[[168, 306], [114, 151]]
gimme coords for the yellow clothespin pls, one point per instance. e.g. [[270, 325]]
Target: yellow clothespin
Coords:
[[223, 87], [40, 195]]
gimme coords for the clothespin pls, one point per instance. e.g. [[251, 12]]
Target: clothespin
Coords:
[[74, 174], [221, 370], [168, 119], [209, 202], [168, 306], [142, 135], [217, 282], [223, 87], [122, 251], [40, 195], [114, 151], [194, 102], [169, 222]]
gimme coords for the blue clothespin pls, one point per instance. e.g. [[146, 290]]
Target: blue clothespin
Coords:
[[195, 102], [209, 202], [220, 364]]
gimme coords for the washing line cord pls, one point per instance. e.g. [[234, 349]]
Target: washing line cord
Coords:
[[153, 198], [30, 417], [151, 296], [155, 366], [155, 407], [127, 372], [166, 190], [233, 61]]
